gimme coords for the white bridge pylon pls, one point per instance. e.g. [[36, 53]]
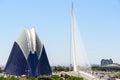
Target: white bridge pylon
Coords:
[[73, 46], [75, 71]]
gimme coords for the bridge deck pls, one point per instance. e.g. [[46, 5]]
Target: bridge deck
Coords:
[[85, 75]]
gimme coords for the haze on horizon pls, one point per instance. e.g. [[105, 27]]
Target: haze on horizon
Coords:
[[98, 21]]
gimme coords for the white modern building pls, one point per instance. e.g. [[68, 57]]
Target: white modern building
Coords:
[[28, 56]]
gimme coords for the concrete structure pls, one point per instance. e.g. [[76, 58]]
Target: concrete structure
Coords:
[[28, 56], [106, 62], [111, 67]]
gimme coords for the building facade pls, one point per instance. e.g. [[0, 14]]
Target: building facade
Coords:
[[106, 62], [28, 56]]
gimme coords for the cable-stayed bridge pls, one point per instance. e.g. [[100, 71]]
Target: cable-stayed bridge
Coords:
[[74, 52]]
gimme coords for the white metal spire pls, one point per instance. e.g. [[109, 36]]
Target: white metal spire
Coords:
[[73, 46]]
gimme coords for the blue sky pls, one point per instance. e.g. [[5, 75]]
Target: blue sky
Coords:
[[98, 20]]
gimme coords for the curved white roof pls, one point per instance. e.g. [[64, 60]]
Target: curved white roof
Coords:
[[29, 41]]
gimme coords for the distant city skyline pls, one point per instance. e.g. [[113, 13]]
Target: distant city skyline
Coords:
[[98, 21]]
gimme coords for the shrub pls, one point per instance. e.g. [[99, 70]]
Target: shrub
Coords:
[[74, 78], [117, 75], [12, 78], [56, 77], [2, 78], [31, 78], [44, 78]]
